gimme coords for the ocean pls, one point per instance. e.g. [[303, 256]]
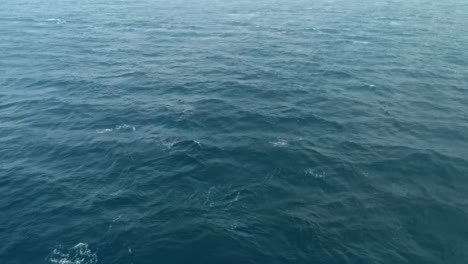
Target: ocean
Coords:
[[216, 131]]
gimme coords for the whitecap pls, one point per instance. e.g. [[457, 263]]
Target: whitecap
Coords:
[[236, 198], [169, 143], [79, 254], [56, 20], [120, 128], [105, 130], [117, 218], [316, 173], [280, 143], [125, 127], [360, 42]]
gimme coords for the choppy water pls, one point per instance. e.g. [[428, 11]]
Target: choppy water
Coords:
[[215, 131]]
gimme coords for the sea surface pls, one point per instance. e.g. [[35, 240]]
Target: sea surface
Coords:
[[232, 132]]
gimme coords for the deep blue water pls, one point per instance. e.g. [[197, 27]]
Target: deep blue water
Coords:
[[216, 131]]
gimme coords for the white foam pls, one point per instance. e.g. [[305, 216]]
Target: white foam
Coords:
[[121, 128], [56, 20], [125, 127], [280, 143], [316, 173], [117, 218], [169, 143], [360, 42], [79, 254], [105, 130]]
